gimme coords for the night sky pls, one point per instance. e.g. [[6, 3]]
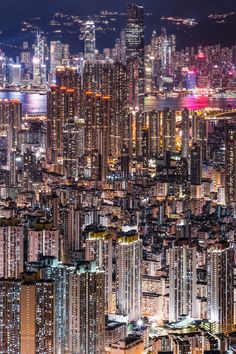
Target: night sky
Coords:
[[12, 12], [18, 9]]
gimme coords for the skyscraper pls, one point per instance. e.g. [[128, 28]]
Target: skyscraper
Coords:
[[10, 124], [99, 248], [11, 250], [42, 240], [153, 123], [196, 165], [51, 269], [129, 264], [169, 130], [120, 119], [199, 132], [87, 301], [135, 41], [39, 64], [97, 114], [27, 315], [10, 316], [183, 278], [71, 231], [185, 133], [230, 161], [89, 40], [62, 129], [55, 57], [220, 285]]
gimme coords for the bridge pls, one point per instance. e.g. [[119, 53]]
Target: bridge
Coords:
[[223, 115]]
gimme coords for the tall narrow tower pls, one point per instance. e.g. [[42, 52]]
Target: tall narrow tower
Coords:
[[39, 67], [89, 40]]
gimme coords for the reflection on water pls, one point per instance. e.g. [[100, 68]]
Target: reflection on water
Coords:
[[31, 103], [190, 102], [35, 103]]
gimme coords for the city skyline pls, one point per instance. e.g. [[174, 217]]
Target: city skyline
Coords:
[[118, 180]]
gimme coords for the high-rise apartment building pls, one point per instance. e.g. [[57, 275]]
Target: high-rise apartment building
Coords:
[[129, 262], [72, 230], [185, 133], [183, 281], [51, 269], [120, 127], [169, 130], [12, 249], [230, 161], [153, 124], [10, 125], [220, 286], [87, 310], [196, 165], [98, 247], [43, 240], [62, 126], [27, 315]]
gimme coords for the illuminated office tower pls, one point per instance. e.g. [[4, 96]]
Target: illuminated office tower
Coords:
[[167, 51], [169, 130], [62, 132], [89, 36], [185, 133], [203, 75], [51, 269], [44, 241], [182, 274], [196, 165], [65, 54], [16, 74], [220, 286], [27, 315], [12, 248], [25, 55], [129, 263], [135, 40], [55, 57], [230, 161], [153, 123], [120, 119], [87, 310], [39, 61], [3, 65], [98, 247]]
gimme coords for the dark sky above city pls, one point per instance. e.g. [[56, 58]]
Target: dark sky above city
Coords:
[[18, 9], [13, 12]]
